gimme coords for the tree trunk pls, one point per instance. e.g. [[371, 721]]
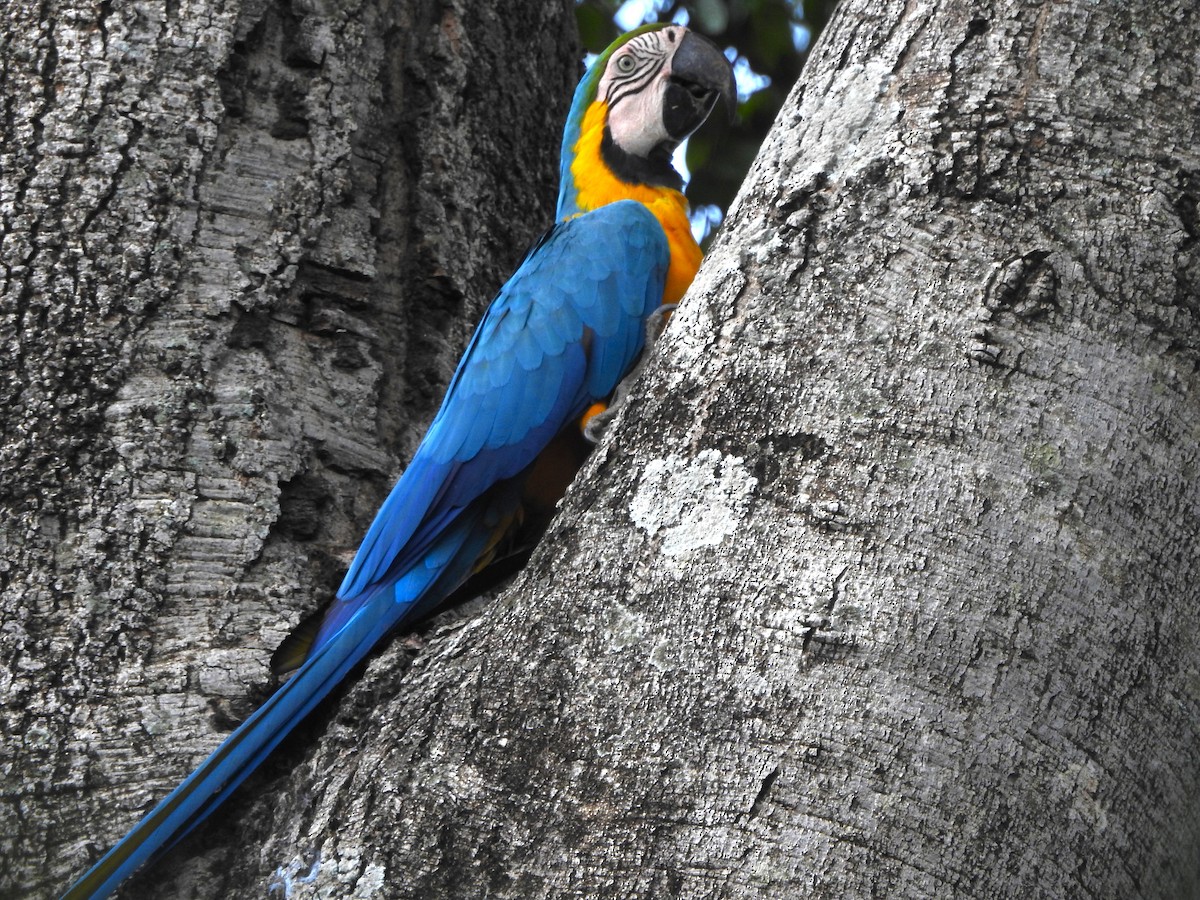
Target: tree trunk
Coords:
[[884, 585], [243, 246]]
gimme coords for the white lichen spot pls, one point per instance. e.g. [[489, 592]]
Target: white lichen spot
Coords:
[[1080, 782], [371, 882], [342, 873], [692, 503], [295, 872], [625, 628], [661, 656]]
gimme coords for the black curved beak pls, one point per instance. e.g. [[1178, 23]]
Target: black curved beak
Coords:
[[700, 75]]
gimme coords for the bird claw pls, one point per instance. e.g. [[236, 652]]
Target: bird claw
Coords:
[[596, 425], [656, 323]]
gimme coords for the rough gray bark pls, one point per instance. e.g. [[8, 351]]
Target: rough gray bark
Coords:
[[243, 245]]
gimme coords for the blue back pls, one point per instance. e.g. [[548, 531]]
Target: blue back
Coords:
[[559, 336]]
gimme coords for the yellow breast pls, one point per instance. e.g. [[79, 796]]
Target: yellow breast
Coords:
[[596, 186]]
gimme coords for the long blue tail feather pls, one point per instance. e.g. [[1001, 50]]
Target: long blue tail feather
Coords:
[[244, 750]]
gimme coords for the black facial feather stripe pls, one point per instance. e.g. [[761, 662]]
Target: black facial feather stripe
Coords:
[[649, 60], [618, 90]]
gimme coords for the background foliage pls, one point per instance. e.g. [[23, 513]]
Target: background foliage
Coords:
[[768, 40]]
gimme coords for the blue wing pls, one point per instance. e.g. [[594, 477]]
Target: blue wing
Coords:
[[561, 334]]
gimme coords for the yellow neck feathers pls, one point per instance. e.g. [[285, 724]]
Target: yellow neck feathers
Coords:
[[596, 186]]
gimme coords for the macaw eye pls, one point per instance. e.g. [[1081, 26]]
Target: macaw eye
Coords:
[[626, 64]]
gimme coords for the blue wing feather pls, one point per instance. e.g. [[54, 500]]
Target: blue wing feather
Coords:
[[603, 270]]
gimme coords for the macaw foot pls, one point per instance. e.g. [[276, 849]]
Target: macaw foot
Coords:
[[656, 323], [596, 420]]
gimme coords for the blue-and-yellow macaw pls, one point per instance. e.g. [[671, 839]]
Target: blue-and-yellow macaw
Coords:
[[555, 343]]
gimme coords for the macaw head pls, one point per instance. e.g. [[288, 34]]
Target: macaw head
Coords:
[[643, 95]]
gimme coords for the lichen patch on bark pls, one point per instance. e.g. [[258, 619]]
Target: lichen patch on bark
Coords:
[[692, 503]]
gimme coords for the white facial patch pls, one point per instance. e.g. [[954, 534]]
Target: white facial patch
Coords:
[[636, 123], [634, 83]]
